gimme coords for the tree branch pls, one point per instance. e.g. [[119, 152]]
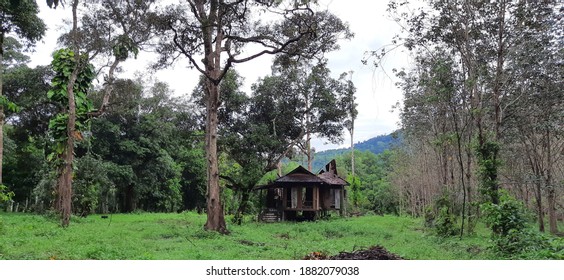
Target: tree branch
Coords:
[[233, 184], [186, 53]]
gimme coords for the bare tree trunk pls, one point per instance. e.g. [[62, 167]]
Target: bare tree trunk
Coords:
[[212, 61], [108, 90], [496, 96], [1, 107], [540, 210], [216, 219], [532, 156], [352, 147], [129, 203], [551, 196], [308, 135], [1, 133], [471, 216], [551, 199], [309, 153], [499, 71], [306, 122]]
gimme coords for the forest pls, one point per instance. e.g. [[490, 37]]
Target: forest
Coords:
[[479, 151]]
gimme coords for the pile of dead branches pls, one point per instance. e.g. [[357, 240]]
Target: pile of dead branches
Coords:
[[373, 253]]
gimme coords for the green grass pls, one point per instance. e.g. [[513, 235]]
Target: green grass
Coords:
[[180, 236]]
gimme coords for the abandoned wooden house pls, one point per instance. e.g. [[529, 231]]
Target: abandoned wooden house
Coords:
[[301, 195]]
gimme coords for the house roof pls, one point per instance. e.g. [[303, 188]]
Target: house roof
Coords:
[[332, 179], [301, 175], [330, 176]]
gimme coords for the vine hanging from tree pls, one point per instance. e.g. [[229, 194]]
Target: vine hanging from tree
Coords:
[[63, 64]]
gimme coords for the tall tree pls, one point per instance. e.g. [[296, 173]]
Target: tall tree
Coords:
[[150, 144], [26, 87], [535, 121], [321, 109], [19, 17], [256, 133], [321, 104], [483, 70], [212, 35], [349, 103], [68, 65], [115, 30]]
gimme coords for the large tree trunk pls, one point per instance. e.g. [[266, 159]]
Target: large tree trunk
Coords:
[[64, 191], [551, 199], [65, 171], [309, 154], [472, 212], [216, 219], [1, 136], [536, 169], [212, 62], [1, 107], [540, 209], [65, 175], [551, 196], [352, 146], [497, 92]]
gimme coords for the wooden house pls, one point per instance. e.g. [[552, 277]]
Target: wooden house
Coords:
[[301, 194]]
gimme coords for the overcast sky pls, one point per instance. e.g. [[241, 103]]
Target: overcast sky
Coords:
[[376, 92]]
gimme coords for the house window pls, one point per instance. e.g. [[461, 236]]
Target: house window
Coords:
[[291, 197]]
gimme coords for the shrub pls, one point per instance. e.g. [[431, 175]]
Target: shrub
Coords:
[[445, 224], [439, 216], [429, 217], [516, 242], [511, 236], [5, 195], [508, 215]]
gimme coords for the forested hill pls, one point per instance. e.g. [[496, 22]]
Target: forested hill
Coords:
[[375, 145]]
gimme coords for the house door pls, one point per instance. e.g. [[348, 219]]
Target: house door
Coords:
[[337, 199], [294, 197]]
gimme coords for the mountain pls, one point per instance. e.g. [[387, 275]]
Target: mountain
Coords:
[[375, 145]]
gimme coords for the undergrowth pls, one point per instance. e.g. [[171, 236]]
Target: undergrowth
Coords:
[[181, 236]]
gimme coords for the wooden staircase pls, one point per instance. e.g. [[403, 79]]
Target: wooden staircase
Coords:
[[270, 215]]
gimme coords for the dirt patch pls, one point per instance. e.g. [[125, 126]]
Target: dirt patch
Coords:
[[251, 243], [374, 253], [283, 235]]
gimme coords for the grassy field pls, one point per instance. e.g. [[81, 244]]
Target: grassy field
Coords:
[[180, 236]]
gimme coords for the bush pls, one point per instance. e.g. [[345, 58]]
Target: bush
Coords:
[[511, 236], [509, 215], [440, 218], [430, 217], [515, 243], [528, 244], [445, 224], [5, 195], [381, 198]]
